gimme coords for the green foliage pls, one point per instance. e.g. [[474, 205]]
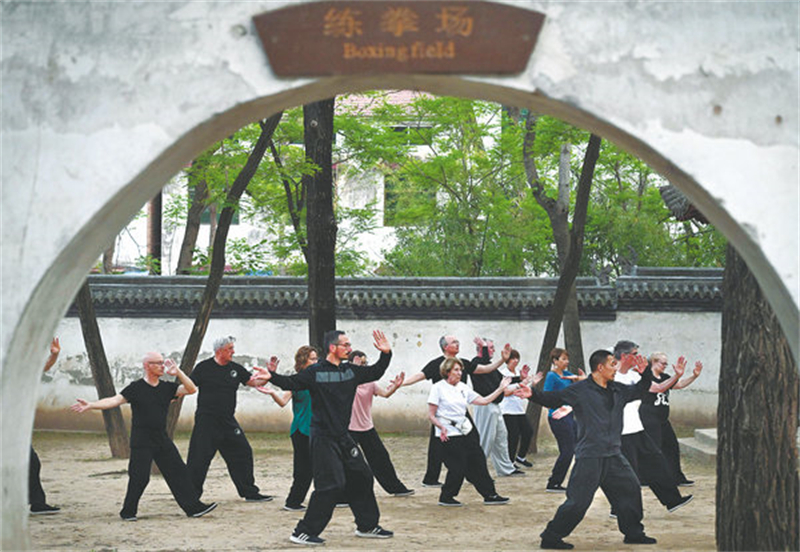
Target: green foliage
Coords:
[[148, 263], [456, 194]]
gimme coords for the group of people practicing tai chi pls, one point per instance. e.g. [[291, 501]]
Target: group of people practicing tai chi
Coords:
[[613, 421]]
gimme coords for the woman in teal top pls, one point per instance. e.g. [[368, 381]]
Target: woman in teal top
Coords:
[[300, 430], [561, 420]]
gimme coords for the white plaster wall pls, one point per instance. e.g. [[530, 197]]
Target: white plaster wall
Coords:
[[104, 102], [414, 342]]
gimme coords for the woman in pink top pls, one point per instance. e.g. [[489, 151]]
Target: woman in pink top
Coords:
[[363, 430]]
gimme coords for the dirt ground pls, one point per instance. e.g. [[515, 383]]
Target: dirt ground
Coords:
[[79, 475]]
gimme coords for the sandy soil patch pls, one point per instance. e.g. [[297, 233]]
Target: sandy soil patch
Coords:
[[79, 475]]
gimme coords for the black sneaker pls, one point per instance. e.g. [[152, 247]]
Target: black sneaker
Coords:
[[293, 508], [258, 498], [431, 484], [523, 462], [376, 532], [342, 504], [407, 492], [612, 514], [556, 489], [44, 510], [682, 502], [555, 544], [306, 539], [515, 473], [495, 499], [204, 509], [686, 483], [449, 502], [639, 539], [128, 517]]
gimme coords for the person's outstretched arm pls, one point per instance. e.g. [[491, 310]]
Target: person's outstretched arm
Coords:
[[101, 404]]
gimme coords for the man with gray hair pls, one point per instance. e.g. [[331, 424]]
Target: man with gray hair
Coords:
[[642, 453], [215, 428]]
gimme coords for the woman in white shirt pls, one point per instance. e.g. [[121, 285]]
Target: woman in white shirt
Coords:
[[513, 409], [461, 450]]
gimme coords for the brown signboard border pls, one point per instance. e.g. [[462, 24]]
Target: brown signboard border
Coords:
[[363, 37]]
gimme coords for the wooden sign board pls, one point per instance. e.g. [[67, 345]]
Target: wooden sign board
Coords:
[[349, 38]]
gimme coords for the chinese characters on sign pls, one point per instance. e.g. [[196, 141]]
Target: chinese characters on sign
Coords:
[[341, 37], [399, 21]]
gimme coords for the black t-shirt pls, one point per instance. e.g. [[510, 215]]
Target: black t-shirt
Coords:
[[655, 406], [433, 373], [485, 384], [149, 406], [218, 386]]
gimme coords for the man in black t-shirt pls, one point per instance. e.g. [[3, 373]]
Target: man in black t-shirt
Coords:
[[150, 398], [216, 428]]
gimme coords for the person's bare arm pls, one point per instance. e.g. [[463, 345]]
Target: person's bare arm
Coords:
[[393, 386], [55, 349], [102, 404], [260, 376], [685, 382], [187, 386], [281, 398], [494, 394], [486, 368], [432, 409], [419, 376], [667, 384]]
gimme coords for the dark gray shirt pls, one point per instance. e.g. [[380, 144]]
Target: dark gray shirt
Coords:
[[598, 412], [332, 390]]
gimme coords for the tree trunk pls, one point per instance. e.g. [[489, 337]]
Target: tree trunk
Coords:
[[154, 234], [757, 482], [573, 341], [108, 258], [212, 223], [196, 208], [566, 281], [217, 270], [115, 424], [320, 220]]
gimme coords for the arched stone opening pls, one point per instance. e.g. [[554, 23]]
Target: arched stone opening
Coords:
[[671, 150]]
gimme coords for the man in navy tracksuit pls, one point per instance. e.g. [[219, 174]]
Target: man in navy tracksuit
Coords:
[[338, 465], [598, 402]]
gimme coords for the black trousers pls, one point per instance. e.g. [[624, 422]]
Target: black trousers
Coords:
[[614, 475], [434, 468], [519, 435], [209, 436], [36, 495], [379, 461], [566, 433], [435, 457], [339, 469], [464, 458], [662, 434], [301, 470], [169, 462], [651, 467]]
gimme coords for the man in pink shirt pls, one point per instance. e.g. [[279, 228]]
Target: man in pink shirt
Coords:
[[363, 430]]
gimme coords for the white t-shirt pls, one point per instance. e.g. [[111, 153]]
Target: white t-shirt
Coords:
[[512, 404], [631, 422], [451, 402]]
